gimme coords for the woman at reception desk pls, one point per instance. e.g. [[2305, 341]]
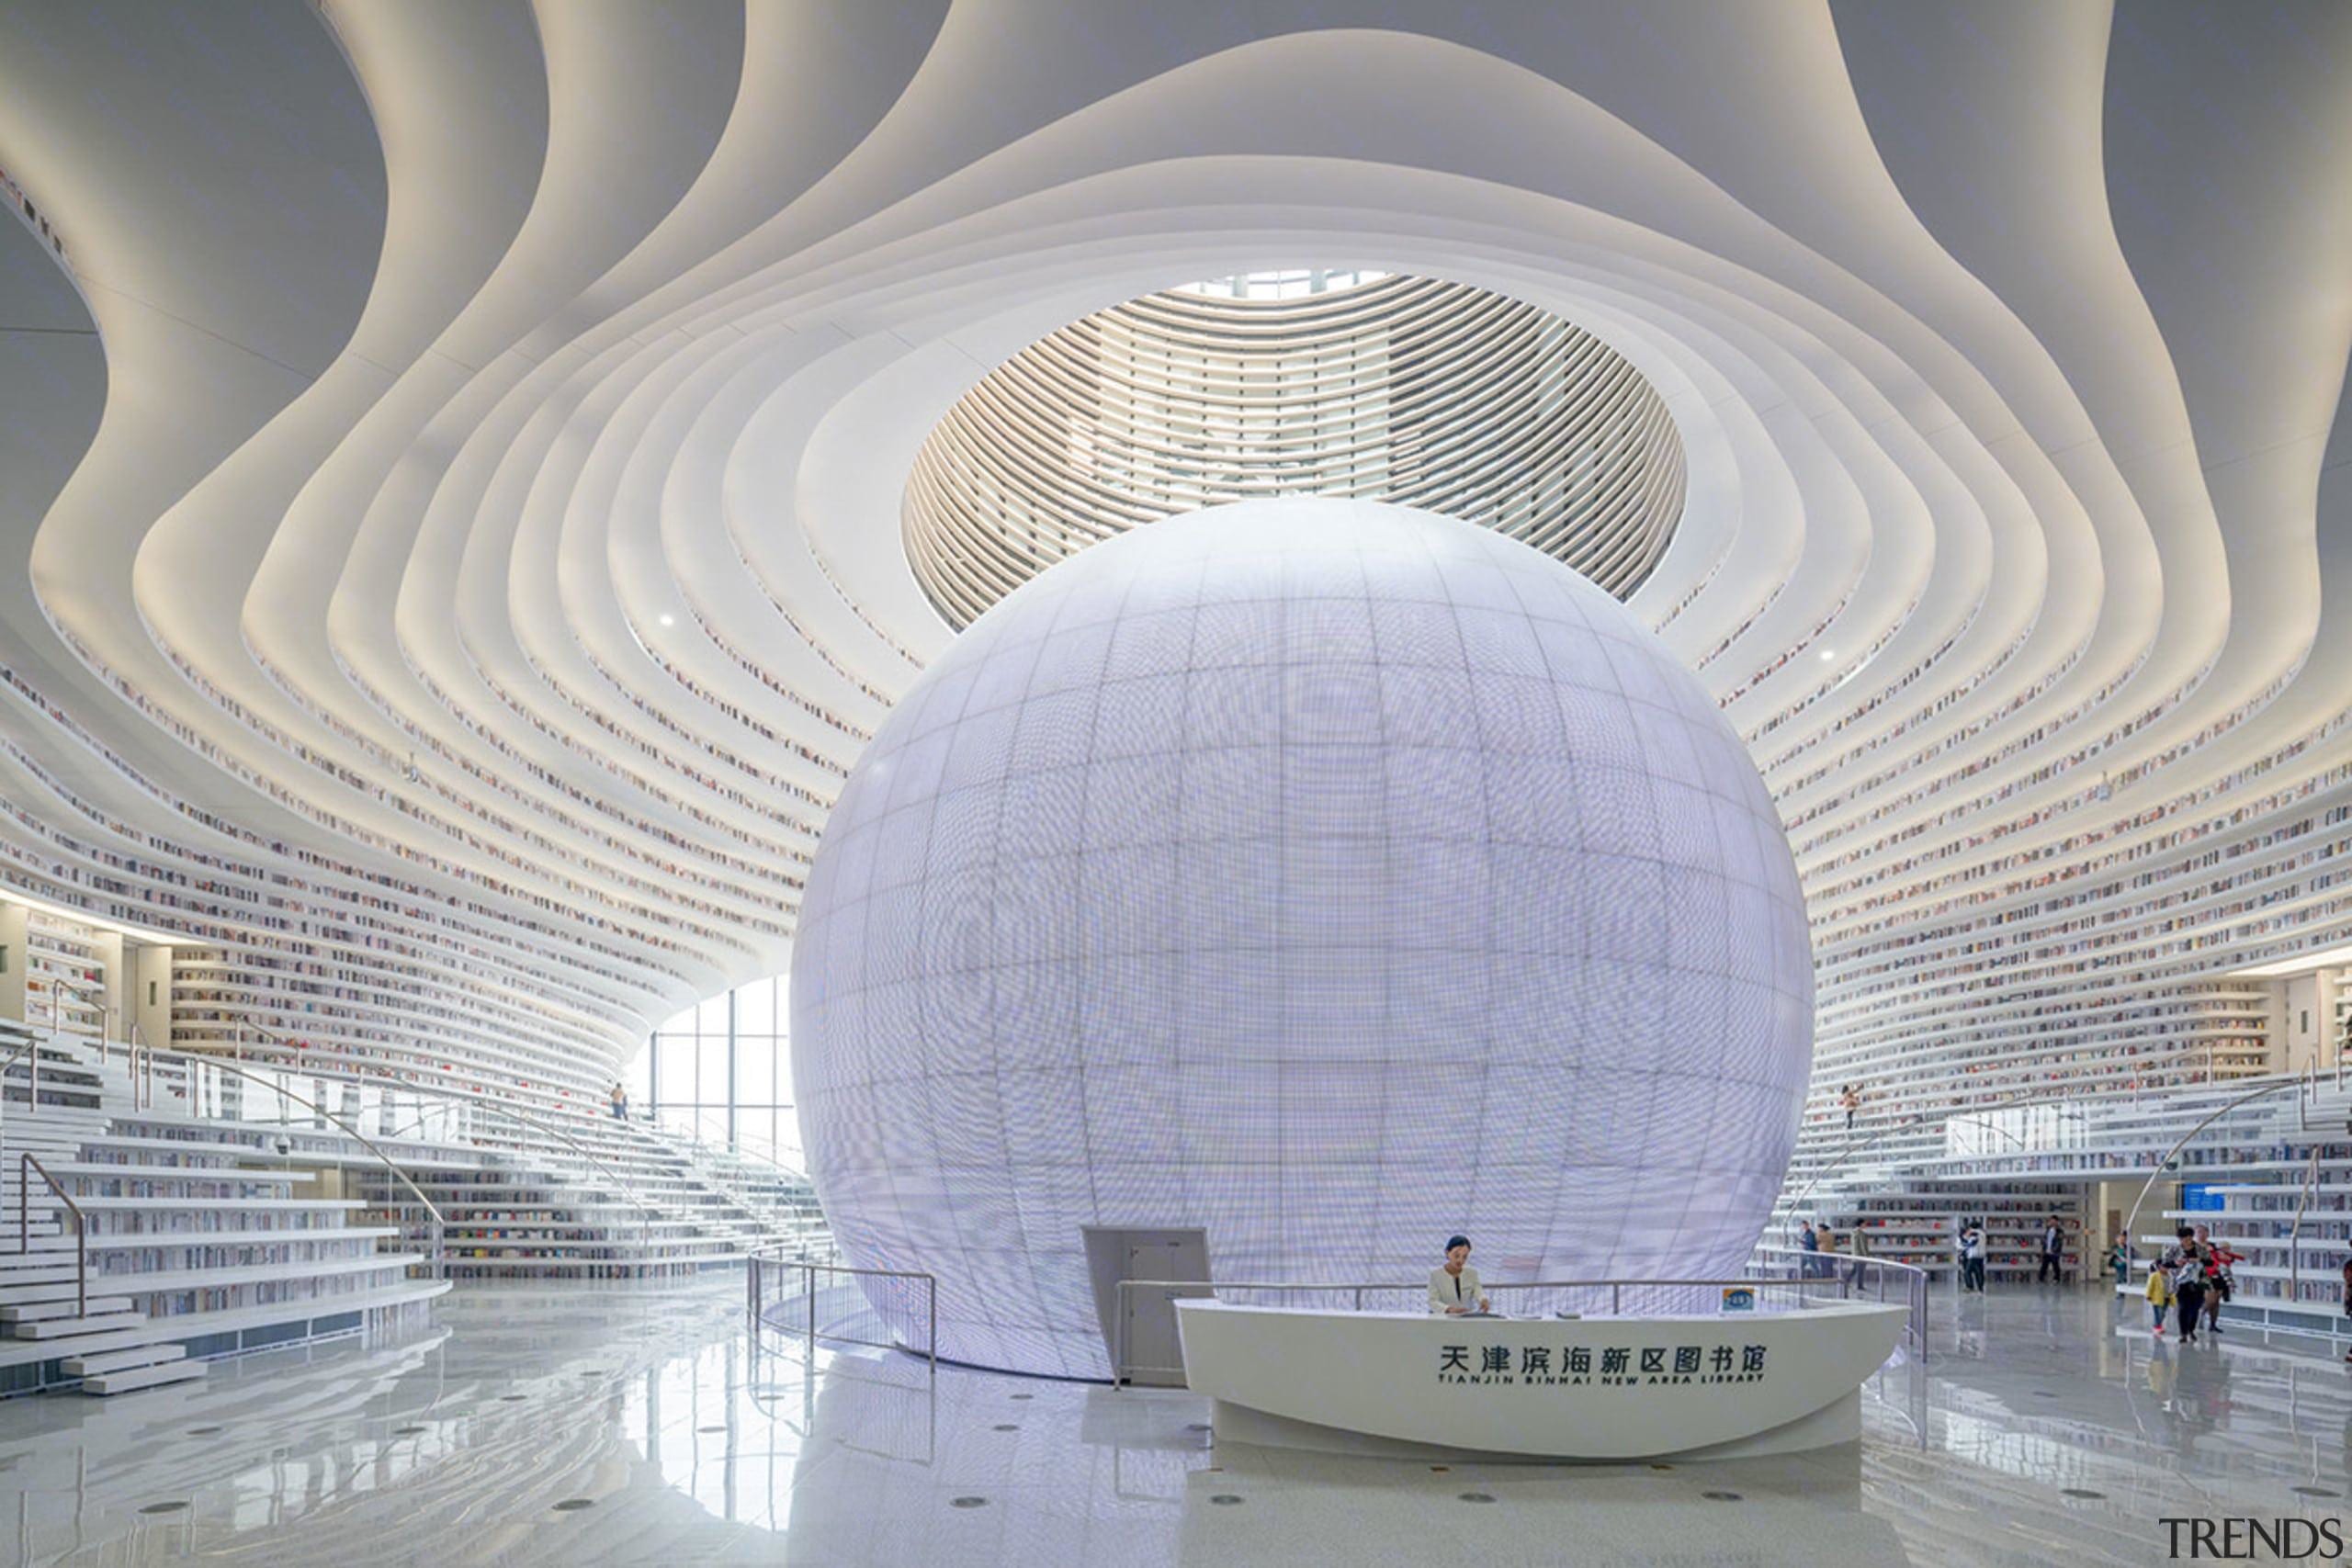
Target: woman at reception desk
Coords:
[[1453, 1288]]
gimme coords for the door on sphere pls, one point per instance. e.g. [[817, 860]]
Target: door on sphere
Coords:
[[1139, 1322]]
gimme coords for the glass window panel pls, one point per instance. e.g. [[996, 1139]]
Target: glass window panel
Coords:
[[710, 1059], [756, 1009], [676, 1068], [755, 1071], [683, 1075]]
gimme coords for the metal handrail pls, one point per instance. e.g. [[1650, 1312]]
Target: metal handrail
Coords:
[[1788, 1206], [27, 1164], [142, 1085], [440, 1221], [1796, 1204], [1990, 1126], [2164, 1162], [145, 1058], [106, 1011], [645, 1213], [755, 1296], [1915, 1305], [741, 1200], [32, 1082], [2295, 1231], [741, 1148]]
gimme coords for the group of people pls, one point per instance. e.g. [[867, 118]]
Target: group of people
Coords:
[[1816, 1238], [2192, 1279], [1970, 1245]]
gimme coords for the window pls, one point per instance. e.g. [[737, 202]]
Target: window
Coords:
[[721, 1072]]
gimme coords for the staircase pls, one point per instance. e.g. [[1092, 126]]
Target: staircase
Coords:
[[610, 1200], [260, 1219], [195, 1237], [2324, 1115]]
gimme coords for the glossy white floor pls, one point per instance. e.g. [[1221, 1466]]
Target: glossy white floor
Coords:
[[552, 1425]]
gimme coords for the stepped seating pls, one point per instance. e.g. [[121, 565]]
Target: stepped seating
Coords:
[[200, 1239], [611, 1200], [269, 1204], [520, 1194]]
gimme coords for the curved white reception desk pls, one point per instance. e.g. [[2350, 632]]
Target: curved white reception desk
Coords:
[[1595, 1388]]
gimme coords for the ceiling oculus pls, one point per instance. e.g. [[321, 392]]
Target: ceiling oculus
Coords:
[[1357, 384]]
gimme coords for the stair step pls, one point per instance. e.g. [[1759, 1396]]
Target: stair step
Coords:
[[122, 1361], [46, 1267], [63, 1306], [67, 1328], [143, 1377]]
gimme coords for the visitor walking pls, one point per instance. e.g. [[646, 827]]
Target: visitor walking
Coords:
[[1809, 1239], [2189, 1288], [2160, 1296], [1851, 1100], [2053, 1252], [620, 1103], [2220, 1284]]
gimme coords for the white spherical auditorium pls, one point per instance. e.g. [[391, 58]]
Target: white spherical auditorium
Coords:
[[1328, 876]]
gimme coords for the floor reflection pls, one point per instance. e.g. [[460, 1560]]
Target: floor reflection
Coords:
[[627, 1425]]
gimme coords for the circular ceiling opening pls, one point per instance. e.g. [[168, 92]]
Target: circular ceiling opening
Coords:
[[1304, 382]]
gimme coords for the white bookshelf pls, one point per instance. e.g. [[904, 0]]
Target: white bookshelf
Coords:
[[1921, 1227]]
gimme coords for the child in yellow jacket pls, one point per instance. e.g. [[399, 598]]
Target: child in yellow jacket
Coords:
[[2159, 1296]]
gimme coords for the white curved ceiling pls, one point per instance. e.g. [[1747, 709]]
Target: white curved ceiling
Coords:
[[453, 502]]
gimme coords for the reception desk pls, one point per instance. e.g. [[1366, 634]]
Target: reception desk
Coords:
[[1406, 1384]]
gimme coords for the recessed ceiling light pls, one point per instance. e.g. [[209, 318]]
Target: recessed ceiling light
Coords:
[[1827, 654], [669, 620]]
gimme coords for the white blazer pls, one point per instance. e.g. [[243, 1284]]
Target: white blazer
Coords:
[[1449, 1291]]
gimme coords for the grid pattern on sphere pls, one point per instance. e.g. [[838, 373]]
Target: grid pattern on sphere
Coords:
[[1325, 875]]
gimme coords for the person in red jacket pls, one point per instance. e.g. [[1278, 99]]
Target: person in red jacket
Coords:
[[2219, 1283]]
